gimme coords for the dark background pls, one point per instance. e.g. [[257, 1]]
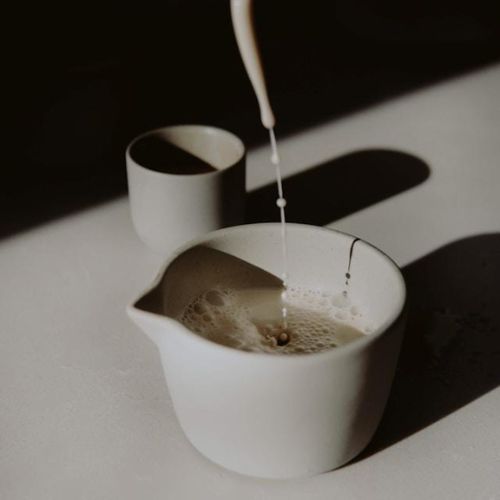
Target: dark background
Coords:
[[82, 81]]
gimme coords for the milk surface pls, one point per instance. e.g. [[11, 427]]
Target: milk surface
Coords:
[[251, 319]]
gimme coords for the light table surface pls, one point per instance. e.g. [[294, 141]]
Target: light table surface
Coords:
[[85, 412]]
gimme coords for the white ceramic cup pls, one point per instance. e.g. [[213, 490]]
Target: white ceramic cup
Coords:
[[170, 206], [270, 415]]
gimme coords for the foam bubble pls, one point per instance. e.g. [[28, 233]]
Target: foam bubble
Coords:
[[340, 300]]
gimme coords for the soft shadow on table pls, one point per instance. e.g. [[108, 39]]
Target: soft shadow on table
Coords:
[[339, 187], [48, 200], [75, 101], [315, 196], [451, 352]]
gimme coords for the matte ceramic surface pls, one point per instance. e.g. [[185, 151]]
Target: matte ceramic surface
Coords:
[[269, 415], [170, 209]]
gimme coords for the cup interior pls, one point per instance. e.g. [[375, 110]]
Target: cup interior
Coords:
[[186, 150], [250, 256]]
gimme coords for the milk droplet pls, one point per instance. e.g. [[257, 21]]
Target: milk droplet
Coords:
[[281, 202], [283, 339]]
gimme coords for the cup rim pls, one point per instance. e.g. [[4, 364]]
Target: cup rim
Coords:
[[211, 128], [344, 350]]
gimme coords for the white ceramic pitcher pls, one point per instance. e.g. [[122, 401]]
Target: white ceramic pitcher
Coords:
[[270, 415]]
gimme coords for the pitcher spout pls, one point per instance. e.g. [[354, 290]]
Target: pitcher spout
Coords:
[[147, 312], [151, 324], [187, 275]]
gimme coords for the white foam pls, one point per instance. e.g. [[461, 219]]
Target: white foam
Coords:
[[251, 319]]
